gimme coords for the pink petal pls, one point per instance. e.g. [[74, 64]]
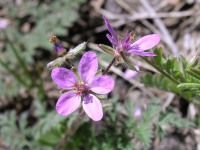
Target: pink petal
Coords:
[[3, 23], [111, 30], [93, 108], [147, 42], [64, 78], [88, 66], [137, 112], [111, 40], [102, 84], [142, 53], [68, 103], [131, 73]]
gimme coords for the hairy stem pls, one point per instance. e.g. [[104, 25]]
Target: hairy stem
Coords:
[[107, 69], [69, 132], [21, 62], [41, 85], [13, 73]]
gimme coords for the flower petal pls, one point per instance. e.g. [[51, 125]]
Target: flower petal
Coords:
[[146, 42], [111, 40], [68, 103], [131, 73], [88, 66], [142, 53], [137, 112], [93, 108], [111, 30], [64, 78], [102, 84]]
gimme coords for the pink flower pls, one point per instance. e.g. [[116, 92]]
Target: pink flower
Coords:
[[82, 87], [3, 23], [131, 73], [137, 112], [128, 45]]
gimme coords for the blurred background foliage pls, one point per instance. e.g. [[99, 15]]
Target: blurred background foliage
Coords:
[[31, 24]]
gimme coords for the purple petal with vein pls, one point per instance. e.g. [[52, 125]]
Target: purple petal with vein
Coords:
[[137, 112], [147, 42], [102, 84], [131, 73], [94, 108], [115, 43], [64, 78], [142, 53], [110, 29], [68, 103], [88, 66]]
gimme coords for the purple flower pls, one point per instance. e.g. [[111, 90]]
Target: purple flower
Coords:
[[137, 112], [82, 87], [128, 45], [60, 50], [131, 73], [3, 23]]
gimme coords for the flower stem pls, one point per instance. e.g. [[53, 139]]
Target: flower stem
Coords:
[[41, 90], [160, 70], [107, 69], [13, 73], [21, 62], [69, 132]]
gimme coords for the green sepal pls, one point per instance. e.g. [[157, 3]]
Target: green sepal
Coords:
[[100, 96], [99, 72], [59, 61], [56, 63], [107, 49], [129, 62]]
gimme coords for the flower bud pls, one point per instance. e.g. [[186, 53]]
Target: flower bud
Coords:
[[61, 51], [78, 48], [56, 63], [107, 49]]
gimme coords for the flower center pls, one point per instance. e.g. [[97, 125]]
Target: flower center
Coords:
[[80, 88]]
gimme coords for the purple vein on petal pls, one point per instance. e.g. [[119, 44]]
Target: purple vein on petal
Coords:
[[111, 30], [64, 78], [147, 42], [68, 103], [102, 84], [88, 66], [94, 108]]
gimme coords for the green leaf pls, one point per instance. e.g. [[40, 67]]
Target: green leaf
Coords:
[[170, 65], [193, 73], [158, 59], [189, 86], [50, 138]]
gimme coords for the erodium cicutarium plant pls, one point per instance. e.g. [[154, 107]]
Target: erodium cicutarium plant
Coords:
[[81, 87], [124, 47]]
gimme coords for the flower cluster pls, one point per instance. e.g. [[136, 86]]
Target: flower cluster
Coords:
[[84, 86], [127, 45]]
